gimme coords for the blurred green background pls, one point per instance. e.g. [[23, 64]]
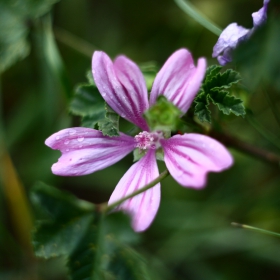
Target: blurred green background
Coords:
[[191, 237]]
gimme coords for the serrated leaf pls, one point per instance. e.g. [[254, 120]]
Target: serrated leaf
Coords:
[[201, 108], [228, 104], [92, 243], [213, 89], [212, 71], [163, 115], [61, 224], [110, 124], [221, 81]]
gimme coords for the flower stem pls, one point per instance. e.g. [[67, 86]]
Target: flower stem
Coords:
[[268, 135], [162, 176], [189, 9], [246, 148], [256, 229], [74, 42], [272, 106]]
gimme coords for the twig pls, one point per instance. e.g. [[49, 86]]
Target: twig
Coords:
[[246, 148]]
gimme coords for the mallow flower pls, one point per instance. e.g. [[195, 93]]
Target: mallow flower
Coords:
[[233, 34], [188, 157]]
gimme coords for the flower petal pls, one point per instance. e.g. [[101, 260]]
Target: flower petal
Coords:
[[122, 85], [86, 150], [190, 156], [260, 16], [142, 207], [229, 38], [179, 80]]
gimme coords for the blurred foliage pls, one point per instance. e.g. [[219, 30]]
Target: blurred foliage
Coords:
[[191, 237], [14, 17]]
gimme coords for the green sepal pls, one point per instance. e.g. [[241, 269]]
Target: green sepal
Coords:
[[215, 89], [138, 154], [163, 115], [94, 245], [160, 154], [149, 70]]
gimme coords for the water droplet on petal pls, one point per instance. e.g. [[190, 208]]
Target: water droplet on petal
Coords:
[[72, 131], [66, 142], [57, 138], [81, 139], [67, 150], [93, 71], [103, 94], [80, 146]]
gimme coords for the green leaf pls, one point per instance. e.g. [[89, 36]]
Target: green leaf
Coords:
[[212, 71], [110, 124], [214, 89], [221, 81], [228, 104], [201, 108], [87, 101], [95, 246], [61, 224], [163, 115], [89, 104]]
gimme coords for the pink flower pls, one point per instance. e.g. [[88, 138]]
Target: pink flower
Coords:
[[188, 157]]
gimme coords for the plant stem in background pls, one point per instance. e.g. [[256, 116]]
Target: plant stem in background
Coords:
[[246, 148], [268, 135], [256, 229], [162, 176], [190, 10], [272, 105], [15, 194], [74, 42]]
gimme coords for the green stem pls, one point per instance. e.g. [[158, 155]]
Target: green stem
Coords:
[[74, 42], [189, 9], [269, 136], [163, 175], [247, 148], [256, 229]]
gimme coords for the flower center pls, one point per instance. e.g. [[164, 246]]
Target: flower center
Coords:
[[148, 140]]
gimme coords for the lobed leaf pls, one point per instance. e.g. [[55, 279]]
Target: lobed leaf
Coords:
[[95, 246], [214, 89], [110, 124]]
